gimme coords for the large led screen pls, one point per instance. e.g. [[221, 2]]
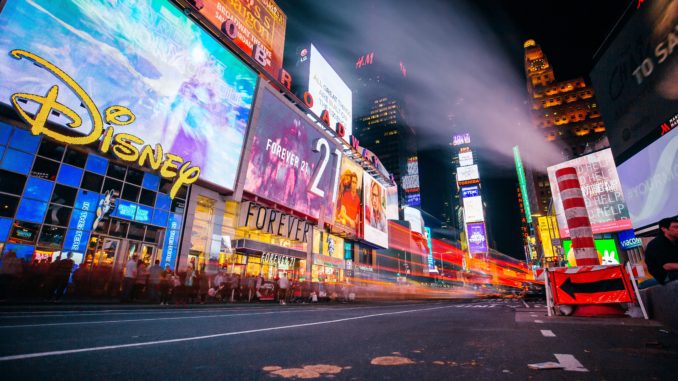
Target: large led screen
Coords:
[[392, 203], [477, 237], [650, 181], [635, 76], [606, 248], [189, 94], [330, 93], [602, 193], [375, 226], [473, 209], [347, 213], [291, 162], [467, 173], [254, 22]]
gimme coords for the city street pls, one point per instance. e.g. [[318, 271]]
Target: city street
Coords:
[[466, 339]]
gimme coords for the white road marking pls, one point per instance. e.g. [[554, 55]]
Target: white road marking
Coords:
[[525, 303], [205, 337], [539, 321], [276, 311], [548, 333], [570, 363]]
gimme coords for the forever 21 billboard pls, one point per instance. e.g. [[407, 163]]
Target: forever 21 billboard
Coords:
[[291, 163]]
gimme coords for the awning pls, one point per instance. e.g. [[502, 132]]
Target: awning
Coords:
[[249, 246]]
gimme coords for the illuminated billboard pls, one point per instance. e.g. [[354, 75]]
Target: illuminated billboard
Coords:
[[465, 158], [187, 93], [522, 183], [476, 237], [414, 217], [467, 174], [410, 182], [472, 191], [291, 162], [330, 93], [650, 179], [628, 240], [548, 229], [635, 77], [349, 197], [602, 193], [392, 203], [375, 226], [251, 22], [606, 248], [473, 209], [461, 139]]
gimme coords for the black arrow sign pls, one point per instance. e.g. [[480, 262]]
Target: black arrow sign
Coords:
[[571, 288]]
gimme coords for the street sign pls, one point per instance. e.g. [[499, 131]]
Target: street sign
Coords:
[[590, 285]]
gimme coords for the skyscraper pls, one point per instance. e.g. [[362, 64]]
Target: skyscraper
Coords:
[[565, 111], [382, 124]]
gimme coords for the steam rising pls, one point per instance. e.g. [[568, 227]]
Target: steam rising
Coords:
[[461, 76]]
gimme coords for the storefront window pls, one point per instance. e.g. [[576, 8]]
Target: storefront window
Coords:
[[202, 231]]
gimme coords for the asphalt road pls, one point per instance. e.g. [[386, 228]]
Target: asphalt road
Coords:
[[479, 340]]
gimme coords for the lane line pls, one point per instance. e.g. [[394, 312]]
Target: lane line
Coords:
[[277, 311], [205, 337], [570, 363], [539, 321], [525, 303], [173, 310], [548, 333]]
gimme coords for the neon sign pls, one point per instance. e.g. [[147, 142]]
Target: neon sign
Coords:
[[123, 146]]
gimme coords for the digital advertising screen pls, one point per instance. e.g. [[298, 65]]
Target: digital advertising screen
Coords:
[[347, 213], [635, 77], [548, 230], [476, 237], [628, 240], [375, 225], [392, 203], [330, 93], [650, 180], [291, 162], [257, 22], [461, 139], [465, 158], [468, 173], [602, 193], [471, 191], [414, 217], [473, 209], [606, 248], [187, 92]]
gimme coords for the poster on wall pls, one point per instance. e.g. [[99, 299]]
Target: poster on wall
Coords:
[[602, 193], [330, 93], [255, 22], [291, 162], [347, 213], [477, 238], [188, 93], [374, 212], [650, 179]]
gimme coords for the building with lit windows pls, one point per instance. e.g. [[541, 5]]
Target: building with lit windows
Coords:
[[565, 111]]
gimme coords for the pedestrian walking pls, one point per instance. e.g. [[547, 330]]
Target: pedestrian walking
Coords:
[[63, 273], [154, 277], [129, 279], [283, 285]]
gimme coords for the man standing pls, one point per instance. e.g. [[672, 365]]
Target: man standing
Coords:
[[154, 276], [661, 255], [283, 285], [63, 273], [129, 279]]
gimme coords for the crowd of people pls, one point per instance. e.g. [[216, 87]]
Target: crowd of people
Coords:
[[142, 282]]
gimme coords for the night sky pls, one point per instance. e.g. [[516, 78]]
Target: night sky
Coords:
[[465, 59]]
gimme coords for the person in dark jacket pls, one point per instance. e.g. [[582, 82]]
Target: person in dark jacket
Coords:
[[661, 255], [63, 270]]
